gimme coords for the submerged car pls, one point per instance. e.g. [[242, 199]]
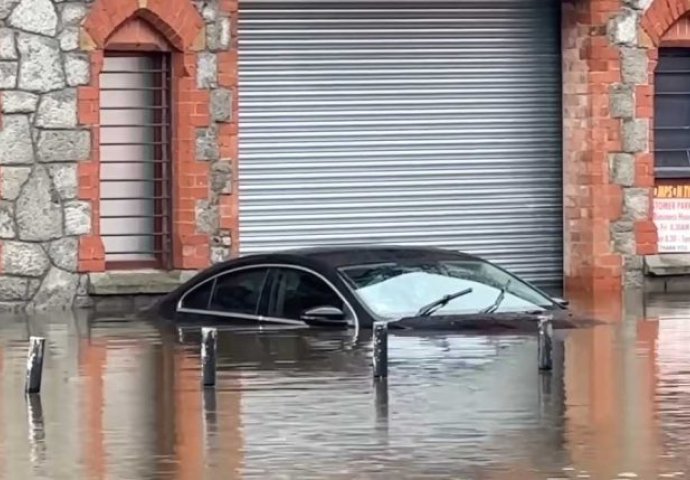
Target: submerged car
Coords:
[[353, 287]]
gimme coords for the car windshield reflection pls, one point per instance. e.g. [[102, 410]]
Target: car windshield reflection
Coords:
[[394, 290]]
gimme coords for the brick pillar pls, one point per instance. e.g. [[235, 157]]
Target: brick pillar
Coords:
[[607, 160]]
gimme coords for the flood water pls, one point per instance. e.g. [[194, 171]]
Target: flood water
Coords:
[[123, 400]]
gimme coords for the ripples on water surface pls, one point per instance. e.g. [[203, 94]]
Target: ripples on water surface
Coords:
[[122, 400]]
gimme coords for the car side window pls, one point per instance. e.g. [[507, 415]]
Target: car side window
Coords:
[[296, 291], [198, 298], [239, 292]]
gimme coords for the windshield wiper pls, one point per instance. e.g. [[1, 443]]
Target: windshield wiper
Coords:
[[427, 310], [497, 303]]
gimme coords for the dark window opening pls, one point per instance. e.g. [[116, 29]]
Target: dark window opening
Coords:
[[135, 161], [239, 292], [672, 114], [297, 291], [199, 298]]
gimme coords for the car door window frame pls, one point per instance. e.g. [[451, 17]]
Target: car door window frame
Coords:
[[349, 310], [262, 306], [214, 280]]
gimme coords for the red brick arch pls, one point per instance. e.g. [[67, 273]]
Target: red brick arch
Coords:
[[124, 22], [177, 20], [661, 16]]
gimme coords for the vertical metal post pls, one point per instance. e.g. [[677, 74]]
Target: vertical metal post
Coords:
[[209, 341], [380, 356], [34, 365], [545, 343]]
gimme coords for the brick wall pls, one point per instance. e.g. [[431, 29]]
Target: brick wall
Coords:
[[608, 164], [610, 54]]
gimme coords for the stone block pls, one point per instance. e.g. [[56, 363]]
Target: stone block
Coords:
[[69, 39], [13, 288], [207, 147], [221, 105], [63, 145], [57, 291], [12, 179], [207, 70], [224, 34], [622, 169], [8, 75], [622, 28], [77, 69], [219, 254], [39, 214], [64, 253], [210, 12], [623, 237], [35, 16], [65, 179], [77, 218], [15, 140], [6, 7], [7, 226], [207, 217], [634, 65], [633, 280], [72, 13], [41, 68], [622, 101], [635, 135], [221, 178], [57, 109], [636, 204], [218, 35], [15, 101], [24, 259], [8, 47]]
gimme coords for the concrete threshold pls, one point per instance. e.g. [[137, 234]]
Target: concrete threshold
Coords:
[[667, 272], [137, 282]]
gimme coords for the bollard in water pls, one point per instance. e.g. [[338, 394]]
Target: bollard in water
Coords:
[[545, 343], [209, 340], [34, 365], [380, 357]]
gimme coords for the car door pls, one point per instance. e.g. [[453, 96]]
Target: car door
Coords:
[[295, 291], [233, 295]]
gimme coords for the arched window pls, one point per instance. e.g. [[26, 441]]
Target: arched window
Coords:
[[135, 149]]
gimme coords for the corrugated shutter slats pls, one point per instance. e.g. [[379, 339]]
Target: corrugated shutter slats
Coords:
[[408, 122]]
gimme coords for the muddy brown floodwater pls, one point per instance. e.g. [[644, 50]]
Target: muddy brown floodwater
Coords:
[[123, 400]]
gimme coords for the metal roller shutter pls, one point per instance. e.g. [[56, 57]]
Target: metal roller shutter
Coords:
[[408, 122]]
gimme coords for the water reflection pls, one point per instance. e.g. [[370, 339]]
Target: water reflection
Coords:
[[123, 399]]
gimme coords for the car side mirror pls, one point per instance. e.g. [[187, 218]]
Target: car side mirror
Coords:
[[325, 315], [561, 301]]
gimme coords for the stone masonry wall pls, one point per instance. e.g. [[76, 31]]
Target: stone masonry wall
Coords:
[[50, 55]]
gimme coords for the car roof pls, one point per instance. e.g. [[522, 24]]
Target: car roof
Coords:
[[341, 256]]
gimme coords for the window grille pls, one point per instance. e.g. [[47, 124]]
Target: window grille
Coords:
[[672, 114], [136, 168]]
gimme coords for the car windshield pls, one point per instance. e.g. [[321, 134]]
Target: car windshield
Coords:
[[394, 290]]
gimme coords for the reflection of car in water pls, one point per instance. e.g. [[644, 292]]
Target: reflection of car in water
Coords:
[[408, 287]]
